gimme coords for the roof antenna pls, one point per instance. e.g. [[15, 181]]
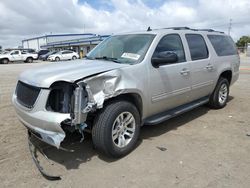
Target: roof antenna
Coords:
[[149, 29]]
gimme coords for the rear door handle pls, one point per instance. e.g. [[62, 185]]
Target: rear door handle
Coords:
[[185, 72], [209, 67]]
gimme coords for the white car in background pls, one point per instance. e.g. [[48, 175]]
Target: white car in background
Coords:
[[63, 55], [17, 55]]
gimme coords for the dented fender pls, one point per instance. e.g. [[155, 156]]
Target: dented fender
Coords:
[[102, 87]]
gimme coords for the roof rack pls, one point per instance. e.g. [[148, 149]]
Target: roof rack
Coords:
[[209, 30], [186, 28], [177, 28]]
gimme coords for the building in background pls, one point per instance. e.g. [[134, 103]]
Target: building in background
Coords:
[[81, 43]]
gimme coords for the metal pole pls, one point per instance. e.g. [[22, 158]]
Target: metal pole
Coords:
[[230, 26]]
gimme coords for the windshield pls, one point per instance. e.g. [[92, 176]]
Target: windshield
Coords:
[[50, 53], [128, 49]]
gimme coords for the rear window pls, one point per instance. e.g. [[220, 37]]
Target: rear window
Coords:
[[197, 46], [223, 45]]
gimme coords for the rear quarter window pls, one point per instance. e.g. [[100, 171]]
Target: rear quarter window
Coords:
[[223, 45]]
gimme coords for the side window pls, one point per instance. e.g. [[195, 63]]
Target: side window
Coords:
[[223, 45], [64, 52], [173, 43], [197, 46], [68, 52], [15, 53]]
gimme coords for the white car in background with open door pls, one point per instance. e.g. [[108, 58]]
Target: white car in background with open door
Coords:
[[63, 55]]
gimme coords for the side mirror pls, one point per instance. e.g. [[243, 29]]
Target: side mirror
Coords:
[[164, 58]]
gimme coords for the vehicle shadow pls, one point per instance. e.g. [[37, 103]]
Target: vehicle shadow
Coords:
[[84, 152]]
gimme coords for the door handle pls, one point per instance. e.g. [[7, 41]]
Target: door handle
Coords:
[[184, 72], [209, 67]]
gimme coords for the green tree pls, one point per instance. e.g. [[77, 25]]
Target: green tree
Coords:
[[243, 41]]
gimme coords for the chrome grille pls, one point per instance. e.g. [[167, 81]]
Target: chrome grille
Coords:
[[26, 94]]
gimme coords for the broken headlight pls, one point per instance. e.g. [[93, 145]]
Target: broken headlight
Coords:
[[61, 97]]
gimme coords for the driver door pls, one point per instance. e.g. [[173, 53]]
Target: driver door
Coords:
[[170, 84], [16, 56]]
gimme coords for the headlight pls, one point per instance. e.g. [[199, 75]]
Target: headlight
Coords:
[[61, 97]]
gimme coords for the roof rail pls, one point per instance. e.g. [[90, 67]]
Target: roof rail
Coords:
[[209, 30], [178, 28], [185, 28]]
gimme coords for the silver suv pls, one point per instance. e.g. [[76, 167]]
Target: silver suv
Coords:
[[127, 81]]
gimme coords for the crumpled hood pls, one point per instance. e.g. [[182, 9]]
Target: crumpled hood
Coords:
[[46, 75]]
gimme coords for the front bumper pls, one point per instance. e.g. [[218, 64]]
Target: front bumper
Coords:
[[51, 58], [45, 124]]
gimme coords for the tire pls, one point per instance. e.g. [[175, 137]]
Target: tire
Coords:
[[219, 97], [57, 59], [74, 58], [4, 61], [29, 60], [107, 122]]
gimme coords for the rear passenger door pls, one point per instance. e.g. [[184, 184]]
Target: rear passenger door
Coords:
[[202, 67], [64, 55]]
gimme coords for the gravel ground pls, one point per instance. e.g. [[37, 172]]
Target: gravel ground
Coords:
[[201, 148]]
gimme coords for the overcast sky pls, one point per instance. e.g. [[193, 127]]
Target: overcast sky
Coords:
[[21, 19]]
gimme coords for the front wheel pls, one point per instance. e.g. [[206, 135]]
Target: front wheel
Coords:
[[74, 58], [116, 129], [219, 97], [5, 61], [57, 59]]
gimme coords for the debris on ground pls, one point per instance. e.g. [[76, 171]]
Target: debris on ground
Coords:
[[161, 148], [34, 149]]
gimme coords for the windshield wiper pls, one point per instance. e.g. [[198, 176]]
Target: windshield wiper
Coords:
[[108, 59]]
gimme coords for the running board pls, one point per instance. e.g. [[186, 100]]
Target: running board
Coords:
[[159, 118]]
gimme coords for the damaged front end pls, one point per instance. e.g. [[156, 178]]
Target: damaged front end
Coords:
[[66, 107]]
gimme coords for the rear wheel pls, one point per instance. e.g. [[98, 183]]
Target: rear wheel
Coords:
[[57, 59], [219, 97], [29, 60], [116, 129]]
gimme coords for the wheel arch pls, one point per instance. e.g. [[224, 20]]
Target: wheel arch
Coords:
[[4, 58], [227, 74], [29, 57], [134, 98]]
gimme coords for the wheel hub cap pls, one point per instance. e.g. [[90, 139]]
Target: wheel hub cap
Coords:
[[123, 129], [223, 92]]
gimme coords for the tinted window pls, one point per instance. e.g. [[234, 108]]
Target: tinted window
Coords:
[[197, 46], [223, 45], [15, 53], [67, 52], [171, 43]]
